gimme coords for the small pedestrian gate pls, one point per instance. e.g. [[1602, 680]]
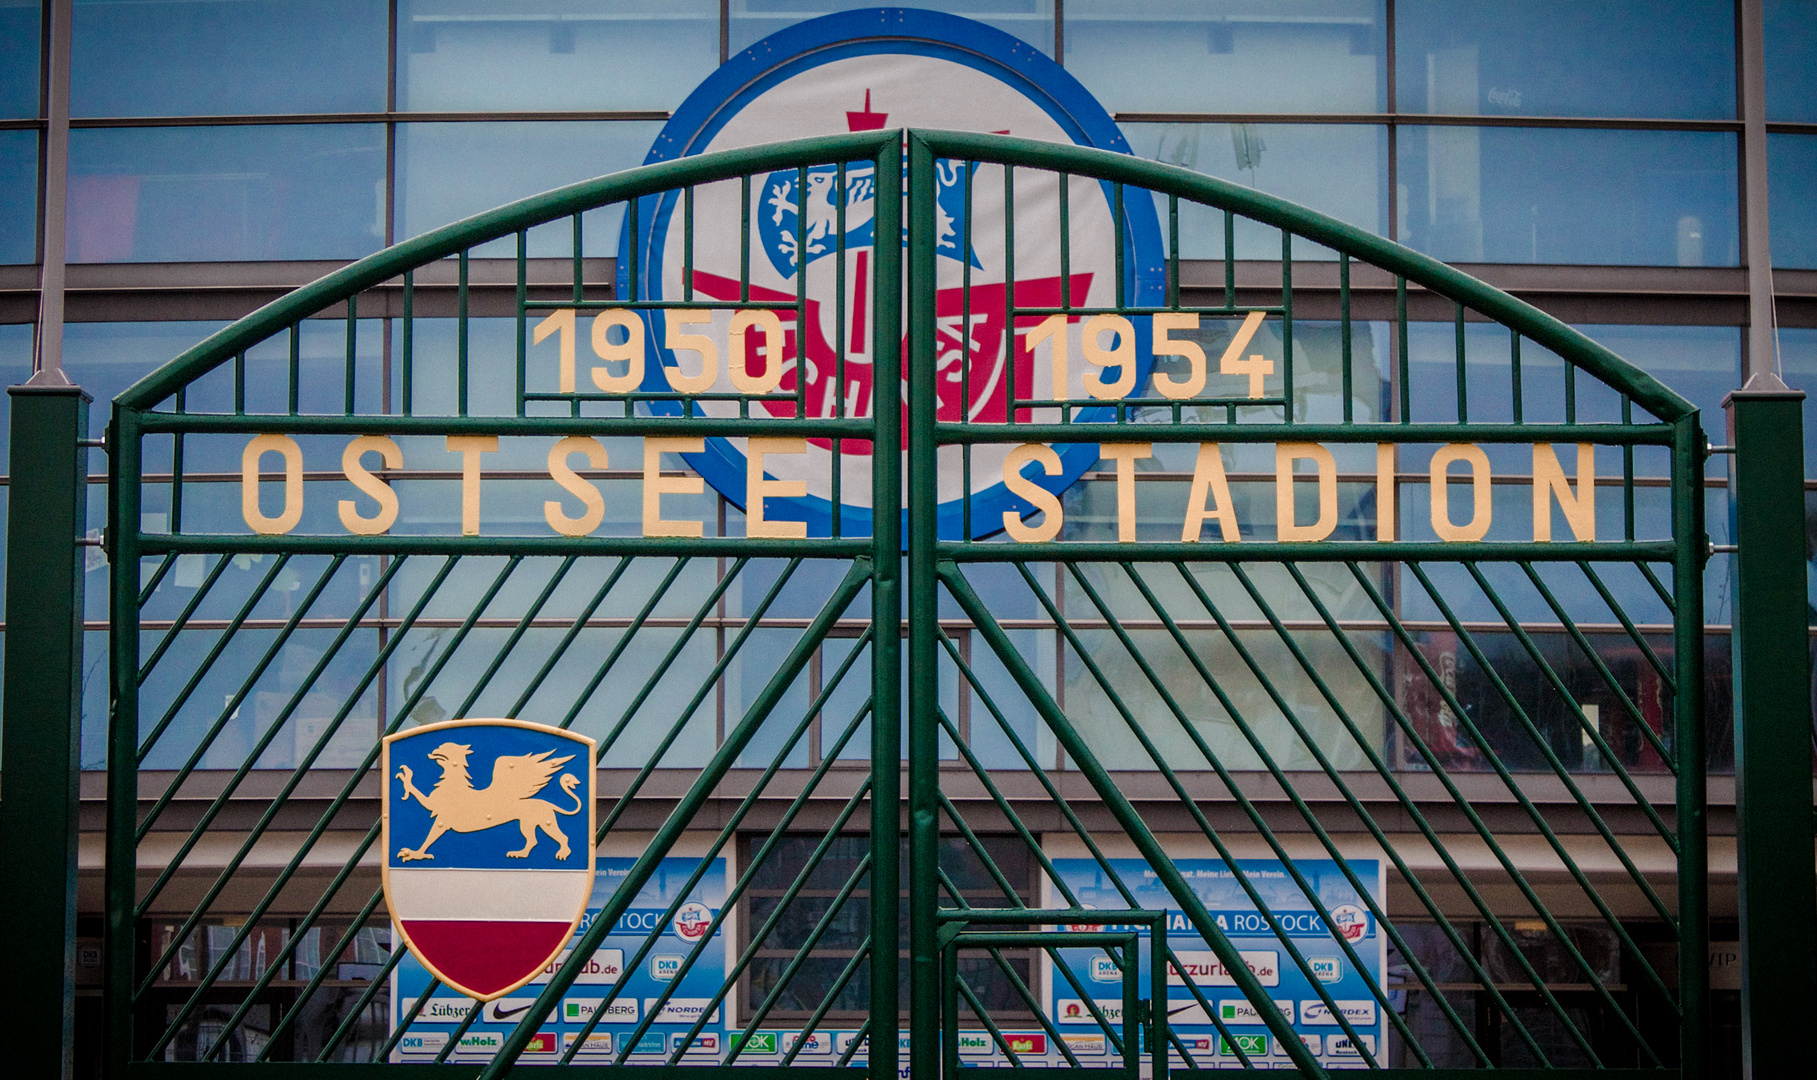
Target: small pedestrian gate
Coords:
[[1259, 645]]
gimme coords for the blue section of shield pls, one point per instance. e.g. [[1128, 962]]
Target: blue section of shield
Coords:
[[485, 849], [816, 42]]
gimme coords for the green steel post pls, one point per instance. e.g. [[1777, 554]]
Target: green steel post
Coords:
[[923, 673], [1772, 727], [121, 884], [1693, 551], [43, 731], [886, 617]]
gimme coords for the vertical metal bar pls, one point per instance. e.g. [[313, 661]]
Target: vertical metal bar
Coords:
[[43, 699], [1400, 349], [923, 671], [408, 347], [1463, 374], [1344, 333], [965, 355], [886, 615], [120, 887], [296, 366], [48, 356], [1011, 346], [176, 472], [574, 255], [1762, 353], [1230, 259], [1687, 717], [523, 285], [1287, 324], [350, 373], [1772, 722], [1514, 372], [460, 340], [744, 244]]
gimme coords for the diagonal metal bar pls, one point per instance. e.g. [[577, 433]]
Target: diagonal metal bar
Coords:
[[517, 634], [624, 640], [308, 992], [183, 617], [214, 653], [812, 1024], [1205, 826], [1520, 881], [1602, 668], [1313, 823], [561, 648], [686, 715], [1639, 639], [1126, 816], [698, 793]]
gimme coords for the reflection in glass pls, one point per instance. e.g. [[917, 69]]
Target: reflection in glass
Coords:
[[1792, 180], [1336, 169], [449, 171], [1791, 60], [106, 358], [15, 368], [1557, 195], [1798, 364], [20, 46], [1030, 20], [457, 55], [1230, 56], [221, 57], [18, 196], [307, 191], [1674, 58]]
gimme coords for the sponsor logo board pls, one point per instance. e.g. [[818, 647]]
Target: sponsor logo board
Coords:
[[598, 1042], [818, 1042], [1086, 1044], [760, 1042], [1316, 1014], [1252, 1044], [1329, 969], [426, 1042], [1075, 1011], [603, 969], [680, 1010], [1205, 969], [581, 1010]]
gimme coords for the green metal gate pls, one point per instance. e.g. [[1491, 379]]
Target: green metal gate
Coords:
[[1366, 693]]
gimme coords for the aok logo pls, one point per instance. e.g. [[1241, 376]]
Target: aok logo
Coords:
[[691, 923]]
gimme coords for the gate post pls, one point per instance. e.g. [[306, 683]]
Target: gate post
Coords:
[[39, 749], [1772, 727]]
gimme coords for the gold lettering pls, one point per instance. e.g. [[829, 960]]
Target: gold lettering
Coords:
[[561, 321], [631, 351], [742, 380], [1478, 461], [1208, 479], [1040, 499], [656, 485], [1165, 384], [381, 492], [1387, 491], [1286, 528], [593, 505], [1232, 363], [470, 447], [256, 448], [1549, 480], [700, 343], [1126, 455], [1122, 356], [1052, 330], [756, 487]]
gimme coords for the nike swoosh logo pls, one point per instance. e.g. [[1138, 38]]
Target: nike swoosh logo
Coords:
[[506, 1014]]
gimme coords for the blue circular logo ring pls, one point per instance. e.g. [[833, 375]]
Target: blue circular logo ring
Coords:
[[742, 82]]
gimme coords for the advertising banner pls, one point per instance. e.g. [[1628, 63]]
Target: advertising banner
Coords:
[[1273, 966], [639, 990]]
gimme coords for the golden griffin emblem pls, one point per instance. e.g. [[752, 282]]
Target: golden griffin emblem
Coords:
[[455, 804]]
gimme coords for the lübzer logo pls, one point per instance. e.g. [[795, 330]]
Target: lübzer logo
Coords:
[[842, 73]]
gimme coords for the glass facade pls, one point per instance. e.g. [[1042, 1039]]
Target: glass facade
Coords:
[[1586, 156]]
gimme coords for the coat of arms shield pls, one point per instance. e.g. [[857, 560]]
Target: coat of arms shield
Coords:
[[488, 844]]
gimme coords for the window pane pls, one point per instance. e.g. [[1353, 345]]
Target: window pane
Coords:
[[218, 57], [1674, 58], [1556, 195], [18, 196], [15, 368], [19, 49], [1030, 20], [304, 191], [456, 55], [449, 171], [1336, 169], [1792, 198], [1798, 360], [1231, 56], [1791, 67], [106, 358]]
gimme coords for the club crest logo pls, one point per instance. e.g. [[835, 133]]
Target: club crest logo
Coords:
[[488, 844], [812, 245]]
